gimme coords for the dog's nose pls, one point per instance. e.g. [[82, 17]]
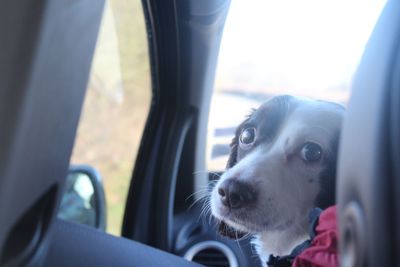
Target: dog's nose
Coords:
[[235, 194]]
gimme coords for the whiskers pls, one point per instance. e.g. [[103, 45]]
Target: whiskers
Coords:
[[237, 238], [203, 196]]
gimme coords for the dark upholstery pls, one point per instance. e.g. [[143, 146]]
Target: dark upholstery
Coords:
[[78, 245]]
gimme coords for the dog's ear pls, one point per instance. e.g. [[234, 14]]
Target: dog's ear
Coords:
[[327, 178]]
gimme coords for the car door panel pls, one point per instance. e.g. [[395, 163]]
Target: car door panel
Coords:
[[81, 246], [45, 54], [366, 195], [184, 38]]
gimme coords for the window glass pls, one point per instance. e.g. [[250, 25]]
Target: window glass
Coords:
[[116, 104], [306, 48]]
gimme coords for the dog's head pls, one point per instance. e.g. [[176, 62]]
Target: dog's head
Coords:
[[282, 164]]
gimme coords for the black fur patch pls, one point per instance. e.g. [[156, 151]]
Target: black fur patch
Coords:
[[327, 178]]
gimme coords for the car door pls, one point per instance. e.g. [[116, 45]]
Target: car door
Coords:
[[43, 73], [184, 43], [368, 196], [45, 57]]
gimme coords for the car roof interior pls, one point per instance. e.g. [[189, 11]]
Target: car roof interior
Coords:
[[45, 58]]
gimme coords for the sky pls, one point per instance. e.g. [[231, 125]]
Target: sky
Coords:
[[307, 44]]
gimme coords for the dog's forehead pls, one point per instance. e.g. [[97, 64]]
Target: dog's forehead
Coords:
[[322, 114], [299, 120], [302, 110], [274, 110]]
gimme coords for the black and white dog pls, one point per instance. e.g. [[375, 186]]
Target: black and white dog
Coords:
[[282, 165]]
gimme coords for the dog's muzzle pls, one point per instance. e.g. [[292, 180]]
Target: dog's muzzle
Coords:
[[234, 195]]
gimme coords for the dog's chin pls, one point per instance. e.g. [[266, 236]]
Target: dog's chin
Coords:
[[232, 225], [245, 226], [231, 232]]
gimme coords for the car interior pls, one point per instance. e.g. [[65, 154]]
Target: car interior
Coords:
[[46, 53]]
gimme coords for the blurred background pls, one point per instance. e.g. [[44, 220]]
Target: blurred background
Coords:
[[308, 48], [116, 104]]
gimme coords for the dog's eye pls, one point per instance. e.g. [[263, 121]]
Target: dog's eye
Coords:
[[311, 152], [248, 136]]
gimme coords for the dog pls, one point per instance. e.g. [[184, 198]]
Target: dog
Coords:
[[281, 166]]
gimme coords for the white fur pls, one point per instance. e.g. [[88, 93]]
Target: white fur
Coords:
[[278, 242]]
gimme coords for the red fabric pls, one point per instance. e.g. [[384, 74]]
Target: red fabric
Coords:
[[323, 251]]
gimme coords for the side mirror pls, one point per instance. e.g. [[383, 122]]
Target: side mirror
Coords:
[[84, 200]]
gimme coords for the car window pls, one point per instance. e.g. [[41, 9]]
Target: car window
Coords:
[[306, 48], [116, 104]]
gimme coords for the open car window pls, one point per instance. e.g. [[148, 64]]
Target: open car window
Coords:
[[306, 48]]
